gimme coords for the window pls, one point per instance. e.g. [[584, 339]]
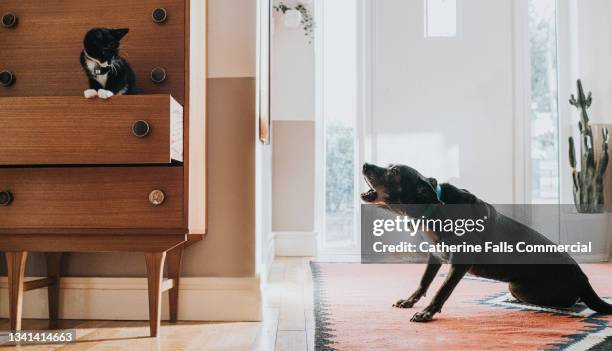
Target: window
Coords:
[[337, 95], [544, 121], [339, 189], [440, 18]]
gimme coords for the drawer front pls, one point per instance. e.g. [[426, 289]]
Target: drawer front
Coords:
[[90, 198], [73, 130], [43, 48]]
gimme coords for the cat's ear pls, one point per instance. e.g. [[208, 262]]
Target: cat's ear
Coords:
[[120, 33]]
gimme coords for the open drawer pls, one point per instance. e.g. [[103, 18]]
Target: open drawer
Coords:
[[60, 130]]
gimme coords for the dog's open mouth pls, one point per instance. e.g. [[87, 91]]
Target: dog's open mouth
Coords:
[[370, 195]]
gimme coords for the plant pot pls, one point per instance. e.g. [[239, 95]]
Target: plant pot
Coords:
[[585, 228]]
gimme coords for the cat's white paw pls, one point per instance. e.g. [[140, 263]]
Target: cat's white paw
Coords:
[[105, 94], [90, 93]]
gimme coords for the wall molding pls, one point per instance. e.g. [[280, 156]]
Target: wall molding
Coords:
[[201, 299], [296, 244]]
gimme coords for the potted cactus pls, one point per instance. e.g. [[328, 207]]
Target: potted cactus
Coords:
[[589, 181], [589, 223]]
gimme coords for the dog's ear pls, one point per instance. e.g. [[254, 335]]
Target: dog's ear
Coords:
[[395, 170], [426, 190], [434, 182]]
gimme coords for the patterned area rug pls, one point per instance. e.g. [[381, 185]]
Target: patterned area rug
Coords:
[[353, 312]]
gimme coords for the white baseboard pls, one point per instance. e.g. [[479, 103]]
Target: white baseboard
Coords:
[[200, 299], [299, 244]]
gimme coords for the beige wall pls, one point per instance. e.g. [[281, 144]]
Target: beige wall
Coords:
[[293, 176], [231, 38], [229, 247]]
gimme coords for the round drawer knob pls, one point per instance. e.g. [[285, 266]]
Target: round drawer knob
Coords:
[[9, 20], [158, 75], [159, 15], [6, 78], [6, 198], [157, 197], [141, 128]]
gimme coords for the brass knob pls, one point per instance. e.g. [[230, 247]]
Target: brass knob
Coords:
[[9, 20], [6, 198], [6, 78], [141, 128], [157, 197], [158, 75], [159, 15]]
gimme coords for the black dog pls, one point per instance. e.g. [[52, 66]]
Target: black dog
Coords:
[[553, 285]]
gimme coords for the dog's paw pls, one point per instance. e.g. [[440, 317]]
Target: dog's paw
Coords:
[[105, 94], [407, 303], [90, 93], [423, 316]]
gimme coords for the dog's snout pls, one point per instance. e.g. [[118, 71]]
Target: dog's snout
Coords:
[[366, 166]]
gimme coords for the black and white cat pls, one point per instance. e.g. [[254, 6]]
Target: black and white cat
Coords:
[[109, 74]]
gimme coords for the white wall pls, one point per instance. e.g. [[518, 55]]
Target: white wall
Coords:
[[265, 238], [292, 73], [595, 55], [263, 152], [445, 105]]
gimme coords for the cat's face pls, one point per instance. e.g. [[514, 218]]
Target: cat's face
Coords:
[[102, 44]]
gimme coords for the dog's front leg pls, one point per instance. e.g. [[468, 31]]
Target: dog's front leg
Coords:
[[433, 266], [455, 274]]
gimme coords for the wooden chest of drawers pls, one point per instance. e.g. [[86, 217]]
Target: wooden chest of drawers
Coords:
[[93, 175]]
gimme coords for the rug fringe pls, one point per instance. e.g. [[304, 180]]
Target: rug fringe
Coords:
[[323, 327]]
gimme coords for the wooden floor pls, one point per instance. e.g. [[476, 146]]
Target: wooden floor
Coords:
[[288, 323]]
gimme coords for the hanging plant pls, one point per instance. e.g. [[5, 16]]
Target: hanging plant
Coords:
[[297, 15]]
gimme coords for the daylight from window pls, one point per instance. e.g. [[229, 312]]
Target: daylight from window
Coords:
[[544, 102], [440, 18], [340, 116]]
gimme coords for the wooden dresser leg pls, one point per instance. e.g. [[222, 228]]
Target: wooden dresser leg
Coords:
[[15, 266], [174, 259], [54, 263], [155, 274]]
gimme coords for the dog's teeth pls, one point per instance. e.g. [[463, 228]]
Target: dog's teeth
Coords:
[[369, 196]]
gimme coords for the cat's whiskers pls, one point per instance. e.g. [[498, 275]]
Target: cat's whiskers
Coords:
[[114, 67]]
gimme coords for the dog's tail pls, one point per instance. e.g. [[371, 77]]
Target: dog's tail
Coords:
[[591, 299]]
